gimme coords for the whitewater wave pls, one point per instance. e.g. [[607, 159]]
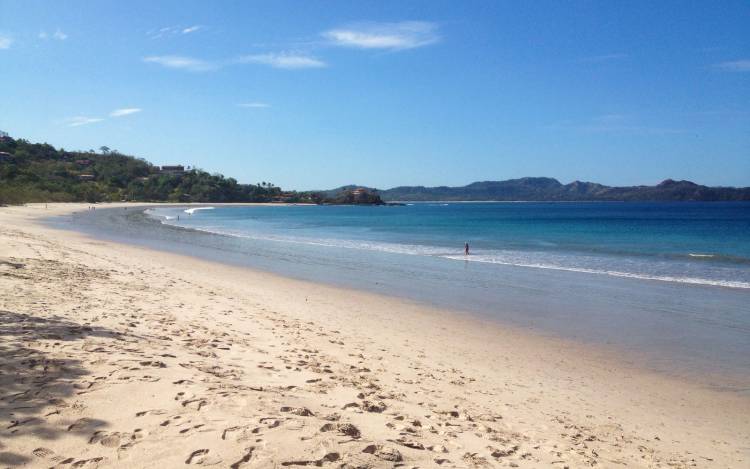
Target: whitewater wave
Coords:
[[393, 248], [612, 273], [191, 211]]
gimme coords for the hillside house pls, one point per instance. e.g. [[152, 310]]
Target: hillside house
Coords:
[[173, 170]]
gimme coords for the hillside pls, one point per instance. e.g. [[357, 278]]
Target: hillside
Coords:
[[549, 189], [33, 172]]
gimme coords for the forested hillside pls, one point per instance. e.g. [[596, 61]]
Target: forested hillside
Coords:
[[34, 172]]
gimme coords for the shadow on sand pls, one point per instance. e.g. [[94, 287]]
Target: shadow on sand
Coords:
[[33, 385]]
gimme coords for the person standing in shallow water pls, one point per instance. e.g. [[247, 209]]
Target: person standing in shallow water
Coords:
[[466, 249]]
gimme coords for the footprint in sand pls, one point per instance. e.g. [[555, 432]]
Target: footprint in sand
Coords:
[[82, 424], [301, 411], [110, 440], [201, 457], [189, 429], [239, 434], [82, 463], [343, 428], [329, 457], [150, 412], [195, 404], [246, 458], [385, 453], [196, 457], [43, 453]]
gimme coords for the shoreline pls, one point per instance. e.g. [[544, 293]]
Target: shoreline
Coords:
[[554, 401], [724, 381], [463, 318], [527, 299], [739, 285]]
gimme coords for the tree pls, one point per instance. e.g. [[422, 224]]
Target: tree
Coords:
[[104, 149]]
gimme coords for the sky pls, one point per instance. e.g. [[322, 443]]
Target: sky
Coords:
[[318, 94]]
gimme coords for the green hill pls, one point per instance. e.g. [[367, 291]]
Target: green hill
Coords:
[[33, 172]]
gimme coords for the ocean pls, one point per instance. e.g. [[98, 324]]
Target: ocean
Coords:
[[702, 244], [667, 285]]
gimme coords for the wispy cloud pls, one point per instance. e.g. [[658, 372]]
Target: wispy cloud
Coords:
[[286, 60], [742, 65], [81, 120], [181, 62], [124, 111], [169, 31], [393, 36], [254, 105], [603, 58], [57, 35], [5, 41], [78, 121], [161, 32], [191, 29]]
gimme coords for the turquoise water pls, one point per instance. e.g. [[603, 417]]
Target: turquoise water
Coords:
[[697, 243]]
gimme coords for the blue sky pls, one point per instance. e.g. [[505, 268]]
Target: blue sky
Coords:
[[316, 94]]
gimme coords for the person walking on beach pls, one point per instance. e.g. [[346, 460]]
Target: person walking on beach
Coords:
[[466, 249]]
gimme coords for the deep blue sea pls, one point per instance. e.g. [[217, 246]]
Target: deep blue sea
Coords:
[[664, 285]]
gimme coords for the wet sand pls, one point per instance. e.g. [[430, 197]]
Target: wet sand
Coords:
[[118, 356]]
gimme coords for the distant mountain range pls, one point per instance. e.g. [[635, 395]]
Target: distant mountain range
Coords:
[[549, 189]]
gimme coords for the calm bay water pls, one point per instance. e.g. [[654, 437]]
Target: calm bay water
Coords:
[[693, 243], [666, 285]]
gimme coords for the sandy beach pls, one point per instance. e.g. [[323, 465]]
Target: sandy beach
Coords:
[[118, 356]]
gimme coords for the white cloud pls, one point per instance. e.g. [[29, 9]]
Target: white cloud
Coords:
[[5, 41], [81, 120], [124, 112], [173, 31], [78, 121], [283, 60], [742, 65], [255, 105], [155, 34], [181, 62], [58, 35], [393, 36]]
